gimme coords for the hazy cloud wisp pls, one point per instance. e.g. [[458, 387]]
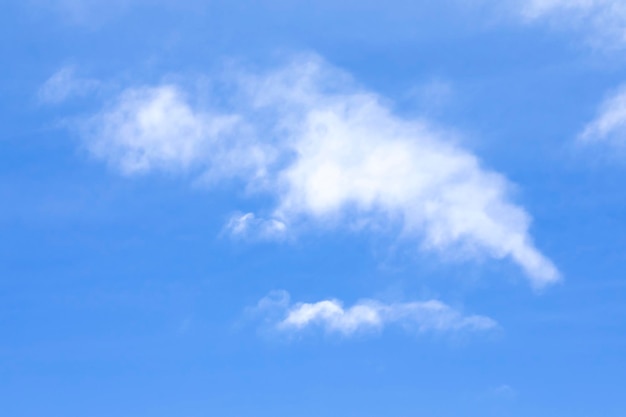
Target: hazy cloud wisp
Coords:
[[64, 85], [609, 126], [603, 20]]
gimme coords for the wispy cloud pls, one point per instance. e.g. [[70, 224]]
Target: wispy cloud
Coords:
[[368, 316], [604, 24], [603, 20], [331, 154], [249, 225], [609, 126], [64, 85]]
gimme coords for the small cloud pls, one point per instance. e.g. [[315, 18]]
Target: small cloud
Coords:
[[249, 226], [368, 316], [277, 299], [64, 85], [504, 391]]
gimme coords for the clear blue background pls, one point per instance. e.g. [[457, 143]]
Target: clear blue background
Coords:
[[119, 297]]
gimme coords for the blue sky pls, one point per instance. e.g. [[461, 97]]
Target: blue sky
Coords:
[[273, 208]]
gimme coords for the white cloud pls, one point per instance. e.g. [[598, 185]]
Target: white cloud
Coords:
[[609, 126], [64, 84], [155, 128], [332, 155], [605, 20], [369, 315]]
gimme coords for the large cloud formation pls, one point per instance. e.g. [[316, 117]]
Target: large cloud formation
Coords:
[[332, 155]]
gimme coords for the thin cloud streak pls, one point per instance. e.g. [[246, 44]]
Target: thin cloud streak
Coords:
[[609, 126]]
